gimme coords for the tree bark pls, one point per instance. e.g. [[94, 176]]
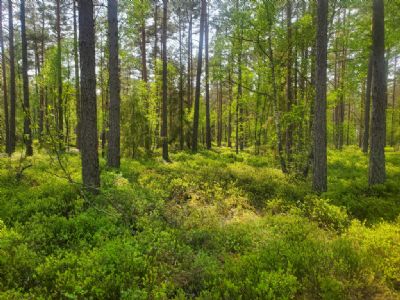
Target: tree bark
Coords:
[[12, 77], [275, 107], [164, 127], [60, 106], [289, 87], [114, 151], [393, 103], [89, 142], [181, 101], [367, 105], [198, 78], [77, 88], [27, 115], [4, 75], [208, 120], [377, 172], [319, 124]]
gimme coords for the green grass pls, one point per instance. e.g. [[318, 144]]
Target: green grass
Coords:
[[209, 226]]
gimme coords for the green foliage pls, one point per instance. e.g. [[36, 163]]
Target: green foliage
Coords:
[[214, 225]]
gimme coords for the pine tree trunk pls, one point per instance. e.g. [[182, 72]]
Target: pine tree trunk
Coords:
[[367, 105], [114, 152], [198, 78], [27, 115], [60, 106], [4, 78], [77, 88], [208, 121], [230, 108], [164, 127], [275, 107], [393, 103], [319, 124], [289, 87], [377, 171], [181, 101], [89, 142], [12, 78]]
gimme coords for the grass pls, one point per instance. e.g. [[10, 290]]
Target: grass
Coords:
[[214, 225]]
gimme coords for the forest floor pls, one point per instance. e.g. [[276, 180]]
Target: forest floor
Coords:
[[215, 225]]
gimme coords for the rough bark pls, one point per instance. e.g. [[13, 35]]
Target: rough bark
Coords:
[[208, 120], [181, 101], [89, 142], [60, 106], [275, 107], [4, 78], [198, 79], [319, 123], [377, 171], [27, 115], [164, 125], [12, 77], [289, 79], [367, 106], [113, 156], [393, 103], [77, 88]]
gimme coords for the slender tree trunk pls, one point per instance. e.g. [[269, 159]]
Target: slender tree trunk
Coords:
[[27, 116], [230, 108], [189, 70], [114, 152], [198, 78], [393, 103], [60, 105], [275, 107], [367, 105], [348, 123], [238, 142], [12, 77], [181, 101], [208, 121], [4, 75], [77, 88], [289, 87], [42, 100], [219, 133], [89, 142], [164, 127], [147, 138], [377, 171], [319, 124]]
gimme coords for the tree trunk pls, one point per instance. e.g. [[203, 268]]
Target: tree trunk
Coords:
[[89, 142], [219, 97], [289, 87], [319, 124], [367, 105], [27, 116], [77, 88], [181, 101], [230, 108], [60, 105], [238, 142], [275, 107], [164, 127], [377, 172], [113, 157], [4, 75], [198, 78], [393, 103], [12, 78], [208, 121]]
